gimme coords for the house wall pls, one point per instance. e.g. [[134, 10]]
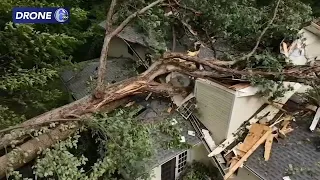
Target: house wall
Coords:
[[214, 106], [243, 109], [119, 48], [300, 56], [156, 173], [196, 153], [199, 153]]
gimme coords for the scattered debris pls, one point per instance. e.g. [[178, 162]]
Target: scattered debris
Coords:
[[250, 151], [267, 146], [130, 104], [173, 121], [311, 107], [269, 112], [191, 133], [286, 178], [169, 109], [149, 95], [255, 133], [285, 49], [315, 120], [183, 139], [195, 53]]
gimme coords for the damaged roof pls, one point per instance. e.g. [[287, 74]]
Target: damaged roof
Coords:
[[156, 110], [296, 156], [80, 82], [132, 35]]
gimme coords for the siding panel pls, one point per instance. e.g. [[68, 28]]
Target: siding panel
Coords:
[[214, 108]]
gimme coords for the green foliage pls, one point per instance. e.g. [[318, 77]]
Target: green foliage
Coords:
[[171, 129], [124, 146], [125, 141], [31, 55], [199, 171], [269, 88], [8, 117], [60, 163], [125, 149], [27, 47], [242, 21], [313, 95]]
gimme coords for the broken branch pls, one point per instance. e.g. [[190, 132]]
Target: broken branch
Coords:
[[107, 39], [264, 31]]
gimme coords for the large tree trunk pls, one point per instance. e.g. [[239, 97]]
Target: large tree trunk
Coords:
[[172, 62]]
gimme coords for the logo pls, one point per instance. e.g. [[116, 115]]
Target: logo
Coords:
[[61, 15], [34, 15]]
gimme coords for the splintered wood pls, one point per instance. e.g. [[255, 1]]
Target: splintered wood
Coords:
[[267, 147], [255, 133], [248, 153]]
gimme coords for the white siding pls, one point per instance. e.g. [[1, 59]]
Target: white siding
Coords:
[[118, 48], [243, 109], [156, 173], [197, 153], [214, 106]]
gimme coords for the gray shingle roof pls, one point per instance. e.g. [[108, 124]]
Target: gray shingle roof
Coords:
[[156, 109], [80, 83], [296, 156], [130, 34]]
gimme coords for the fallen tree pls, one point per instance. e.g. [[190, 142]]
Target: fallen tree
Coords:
[[106, 95], [143, 83]]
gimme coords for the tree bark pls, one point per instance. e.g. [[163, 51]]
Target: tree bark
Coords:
[[29, 150], [107, 39], [173, 62]]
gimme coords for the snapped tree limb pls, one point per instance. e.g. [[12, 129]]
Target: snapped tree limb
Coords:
[[107, 39]]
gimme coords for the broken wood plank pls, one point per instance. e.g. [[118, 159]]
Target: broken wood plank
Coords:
[[245, 157], [268, 112], [255, 133], [315, 120], [285, 49], [267, 147]]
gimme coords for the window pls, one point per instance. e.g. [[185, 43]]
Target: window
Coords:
[[182, 161]]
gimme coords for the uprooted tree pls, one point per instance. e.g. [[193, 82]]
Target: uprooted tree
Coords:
[[253, 58]]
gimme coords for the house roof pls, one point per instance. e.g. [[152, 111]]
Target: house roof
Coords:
[[132, 35], [156, 110], [296, 156], [80, 82]]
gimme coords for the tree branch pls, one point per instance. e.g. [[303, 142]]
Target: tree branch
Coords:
[[187, 8], [109, 15], [264, 31], [107, 39], [38, 124]]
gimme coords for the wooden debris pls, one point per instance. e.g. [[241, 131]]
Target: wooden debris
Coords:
[[255, 133], [130, 104], [194, 53], [149, 95], [285, 49], [285, 129], [311, 107], [233, 161], [169, 109], [268, 112], [246, 156], [315, 120], [267, 146]]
